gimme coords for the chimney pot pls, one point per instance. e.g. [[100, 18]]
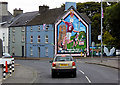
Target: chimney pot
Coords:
[[17, 11]]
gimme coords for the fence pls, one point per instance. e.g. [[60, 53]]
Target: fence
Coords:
[[106, 51], [6, 67]]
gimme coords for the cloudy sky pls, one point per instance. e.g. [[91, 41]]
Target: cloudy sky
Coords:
[[32, 5]]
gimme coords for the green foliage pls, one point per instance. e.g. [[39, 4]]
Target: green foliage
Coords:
[[96, 27], [82, 33], [108, 39], [112, 22]]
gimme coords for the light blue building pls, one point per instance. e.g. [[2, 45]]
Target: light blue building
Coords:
[[39, 41]]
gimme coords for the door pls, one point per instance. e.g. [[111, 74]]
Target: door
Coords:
[[38, 51], [22, 51]]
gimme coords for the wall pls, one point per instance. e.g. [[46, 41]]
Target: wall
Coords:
[[42, 43], [4, 33], [78, 40], [18, 41]]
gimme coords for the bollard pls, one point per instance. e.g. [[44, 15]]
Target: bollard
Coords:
[[0, 73], [10, 69], [4, 71], [6, 66], [13, 65]]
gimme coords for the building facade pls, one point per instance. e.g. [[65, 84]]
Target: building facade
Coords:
[[5, 17], [44, 33], [17, 41], [39, 39], [17, 32]]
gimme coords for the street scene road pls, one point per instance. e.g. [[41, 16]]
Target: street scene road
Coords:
[[86, 73]]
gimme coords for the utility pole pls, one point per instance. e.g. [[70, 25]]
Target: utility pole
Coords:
[[101, 29]]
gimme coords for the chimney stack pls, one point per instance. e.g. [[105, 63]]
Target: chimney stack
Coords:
[[43, 8], [17, 12], [69, 4], [3, 8]]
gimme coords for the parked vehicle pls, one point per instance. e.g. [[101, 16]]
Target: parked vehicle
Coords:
[[6, 55], [63, 64]]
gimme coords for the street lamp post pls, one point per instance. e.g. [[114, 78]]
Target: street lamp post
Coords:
[[101, 29]]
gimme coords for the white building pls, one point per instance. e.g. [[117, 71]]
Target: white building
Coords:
[[5, 18]]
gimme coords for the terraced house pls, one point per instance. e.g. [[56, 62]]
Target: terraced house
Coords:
[[44, 33], [17, 32]]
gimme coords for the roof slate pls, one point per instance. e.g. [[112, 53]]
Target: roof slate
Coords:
[[47, 17], [52, 15], [24, 18]]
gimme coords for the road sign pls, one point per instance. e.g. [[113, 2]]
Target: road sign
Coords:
[[99, 37]]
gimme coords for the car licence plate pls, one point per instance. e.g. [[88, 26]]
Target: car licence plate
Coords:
[[63, 64]]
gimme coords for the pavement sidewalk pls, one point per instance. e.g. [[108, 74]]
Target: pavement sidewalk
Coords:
[[22, 74], [113, 63]]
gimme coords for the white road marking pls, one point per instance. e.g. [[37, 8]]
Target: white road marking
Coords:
[[82, 72], [85, 76], [88, 79]]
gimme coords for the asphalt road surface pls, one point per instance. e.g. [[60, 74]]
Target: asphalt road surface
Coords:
[[86, 73]]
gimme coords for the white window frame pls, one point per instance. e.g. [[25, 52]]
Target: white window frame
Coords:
[[38, 39], [13, 29], [38, 28], [23, 38], [31, 39], [31, 29], [47, 28], [46, 51], [13, 38], [23, 29], [46, 39], [3, 37], [31, 51]]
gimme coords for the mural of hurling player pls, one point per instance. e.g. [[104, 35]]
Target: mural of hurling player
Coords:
[[70, 28]]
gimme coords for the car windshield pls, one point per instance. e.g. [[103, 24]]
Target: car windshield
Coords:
[[67, 58], [6, 54]]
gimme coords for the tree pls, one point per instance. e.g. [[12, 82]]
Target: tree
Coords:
[[108, 39], [96, 27], [112, 22]]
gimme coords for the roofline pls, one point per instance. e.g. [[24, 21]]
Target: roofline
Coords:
[[76, 12]]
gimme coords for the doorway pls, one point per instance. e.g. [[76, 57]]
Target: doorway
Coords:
[[22, 51]]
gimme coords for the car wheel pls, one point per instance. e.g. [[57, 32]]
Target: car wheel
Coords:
[[53, 74]]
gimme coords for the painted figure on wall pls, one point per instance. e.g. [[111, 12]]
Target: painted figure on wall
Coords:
[[71, 35]]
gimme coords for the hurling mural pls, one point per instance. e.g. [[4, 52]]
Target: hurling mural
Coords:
[[71, 35]]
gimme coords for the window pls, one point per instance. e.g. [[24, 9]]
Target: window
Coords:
[[46, 51], [3, 36], [31, 28], [39, 39], [13, 29], [13, 50], [46, 39], [3, 49], [31, 51], [23, 29], [13, 38], [31, 39], [23, 39], [47, 27], [38, 28]]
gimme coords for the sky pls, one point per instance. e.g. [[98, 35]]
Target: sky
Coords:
[[33, 5]]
